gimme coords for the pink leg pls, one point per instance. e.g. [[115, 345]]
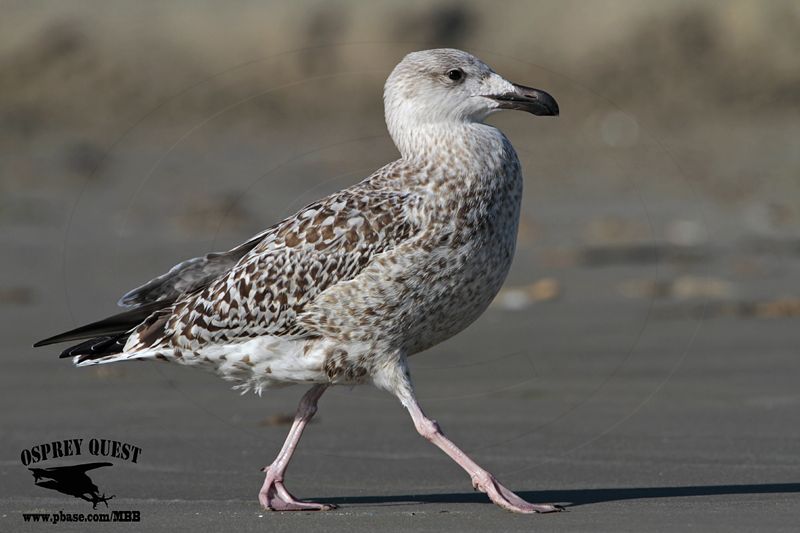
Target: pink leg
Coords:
[[399, 382], [273, 495]]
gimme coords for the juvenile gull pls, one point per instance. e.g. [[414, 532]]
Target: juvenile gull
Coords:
[[345, 290]]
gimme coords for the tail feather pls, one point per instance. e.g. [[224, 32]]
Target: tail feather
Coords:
[[105, 338], [96, 348]]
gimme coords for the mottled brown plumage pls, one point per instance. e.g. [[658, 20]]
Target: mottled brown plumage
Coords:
[[345, 290]]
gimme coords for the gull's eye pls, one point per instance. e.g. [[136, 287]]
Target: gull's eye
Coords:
[[455, 74]]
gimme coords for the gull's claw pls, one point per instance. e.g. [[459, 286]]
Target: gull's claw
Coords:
[[274, 497], [508, 500]]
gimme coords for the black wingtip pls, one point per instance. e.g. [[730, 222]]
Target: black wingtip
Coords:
[[70, 335], [61, 337], [113, 325], [47, 341]]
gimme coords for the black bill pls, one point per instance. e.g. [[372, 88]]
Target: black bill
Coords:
[[528, 99]]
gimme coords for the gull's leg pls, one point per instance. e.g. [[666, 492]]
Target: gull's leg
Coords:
[[273, 495], [399, 382]]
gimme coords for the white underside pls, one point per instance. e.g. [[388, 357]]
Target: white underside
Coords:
[[255, 364]]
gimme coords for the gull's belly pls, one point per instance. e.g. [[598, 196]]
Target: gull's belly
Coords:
[[416, 296], [465, 285]]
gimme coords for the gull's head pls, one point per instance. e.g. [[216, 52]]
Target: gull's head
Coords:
[[447, 85]]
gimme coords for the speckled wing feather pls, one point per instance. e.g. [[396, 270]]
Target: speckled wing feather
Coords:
[[326, 243]]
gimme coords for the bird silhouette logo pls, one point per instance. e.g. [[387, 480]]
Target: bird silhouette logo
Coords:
[[72, 480]]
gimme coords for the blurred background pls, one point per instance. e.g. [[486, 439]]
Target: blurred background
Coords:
[[654, 291]]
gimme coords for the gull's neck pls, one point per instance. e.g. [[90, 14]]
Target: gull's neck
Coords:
[[474, 147]]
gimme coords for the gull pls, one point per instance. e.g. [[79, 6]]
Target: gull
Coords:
[[347, 289]]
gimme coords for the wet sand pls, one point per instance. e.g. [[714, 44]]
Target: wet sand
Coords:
[[592, 401]]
